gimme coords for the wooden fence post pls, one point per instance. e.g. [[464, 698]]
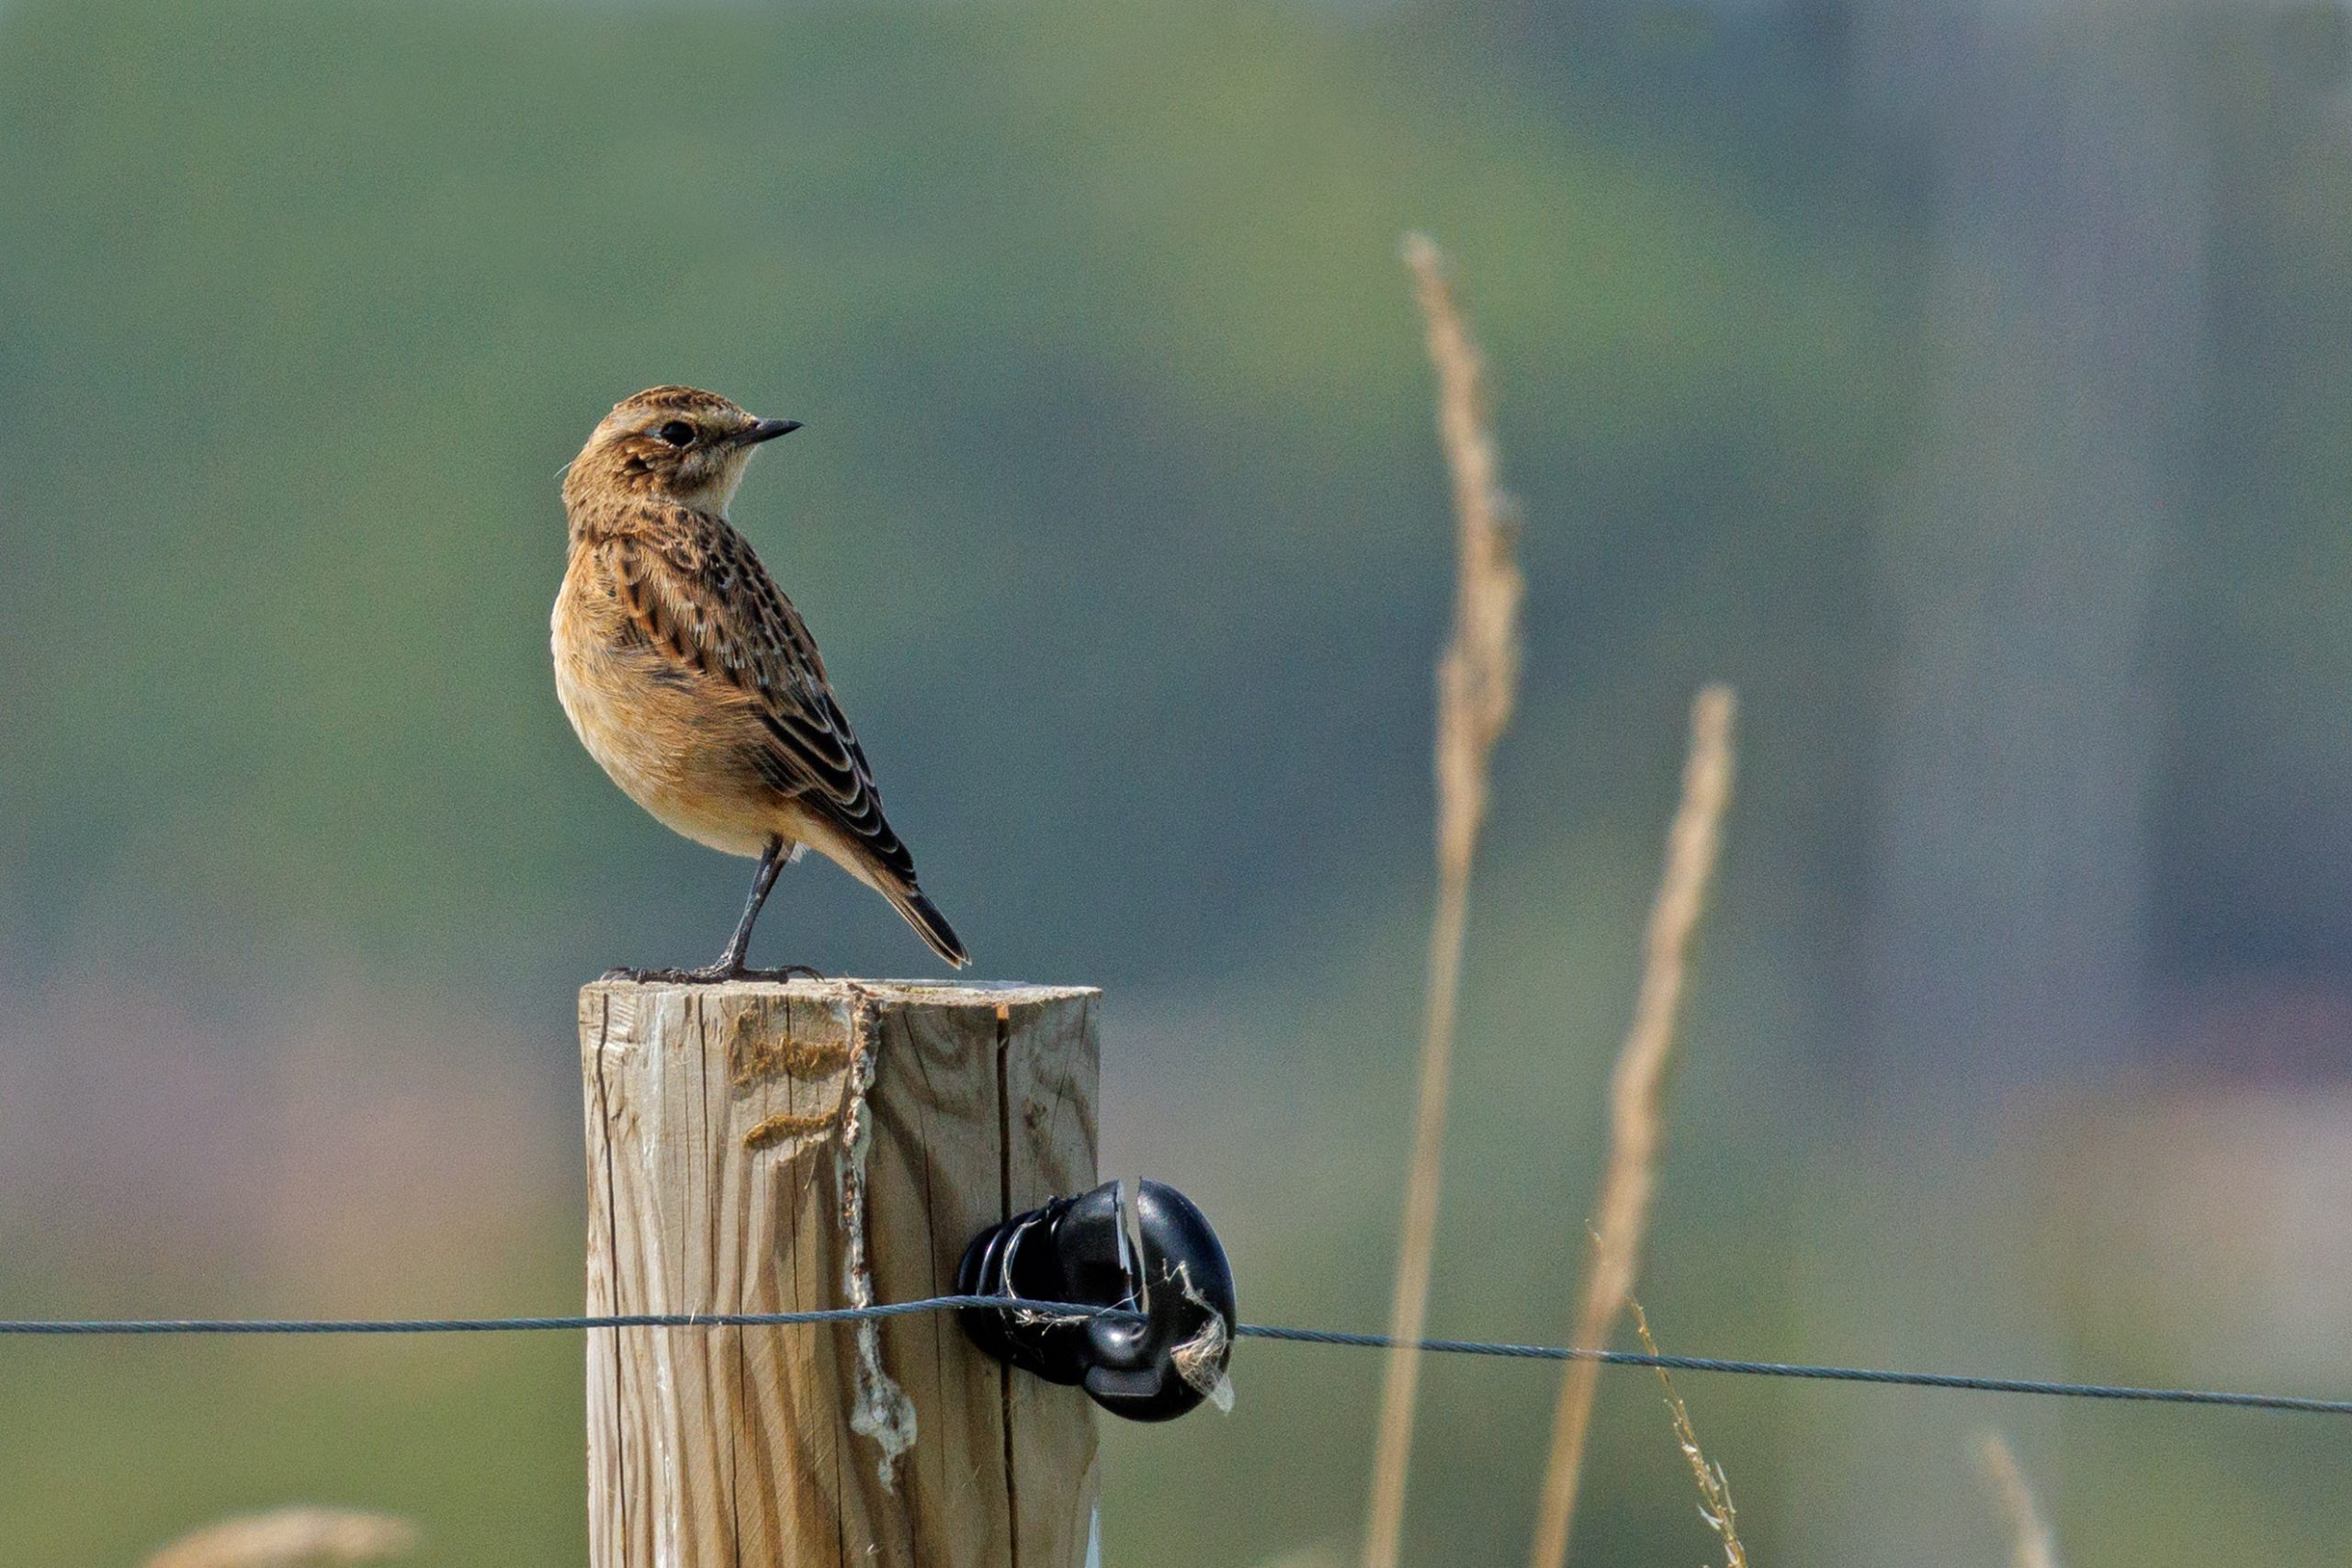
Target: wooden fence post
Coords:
[[778, 1147]]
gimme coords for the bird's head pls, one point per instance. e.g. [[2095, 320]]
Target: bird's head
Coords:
[[672, 443]]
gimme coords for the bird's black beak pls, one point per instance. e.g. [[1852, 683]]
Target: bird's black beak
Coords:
[[760, 430]]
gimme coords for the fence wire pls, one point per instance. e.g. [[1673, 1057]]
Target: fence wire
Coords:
[[78, 1327]]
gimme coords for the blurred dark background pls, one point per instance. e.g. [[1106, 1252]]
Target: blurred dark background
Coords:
[[1962, 381]]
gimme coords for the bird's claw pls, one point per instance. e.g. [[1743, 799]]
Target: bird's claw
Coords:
[[782, 972]]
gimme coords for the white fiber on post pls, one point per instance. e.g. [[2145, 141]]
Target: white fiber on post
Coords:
[[882, 1410], [1200, 1360]]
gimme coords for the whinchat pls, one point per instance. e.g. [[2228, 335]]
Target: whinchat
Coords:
[[692, 678]]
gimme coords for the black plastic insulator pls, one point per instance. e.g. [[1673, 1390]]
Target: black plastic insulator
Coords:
[[1174, 1300]]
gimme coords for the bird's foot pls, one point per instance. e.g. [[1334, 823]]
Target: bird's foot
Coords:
[[710, 973]]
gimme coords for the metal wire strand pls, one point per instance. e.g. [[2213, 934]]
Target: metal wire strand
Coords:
[[2295, 1403]]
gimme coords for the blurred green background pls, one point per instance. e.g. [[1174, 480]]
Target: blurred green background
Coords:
[[1962, 382]]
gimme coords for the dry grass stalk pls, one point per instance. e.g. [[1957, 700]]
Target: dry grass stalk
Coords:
[[291, 1537], [1477, 678], [1715, 1491], [1308, 1557], [1636, 1124], [2032, 1544]]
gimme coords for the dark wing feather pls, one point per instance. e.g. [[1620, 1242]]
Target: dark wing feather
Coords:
[[695, 591]]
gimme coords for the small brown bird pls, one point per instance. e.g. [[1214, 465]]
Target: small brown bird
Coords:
[[693, 680]]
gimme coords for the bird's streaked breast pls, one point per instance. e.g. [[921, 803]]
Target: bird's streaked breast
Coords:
[[665, 743]]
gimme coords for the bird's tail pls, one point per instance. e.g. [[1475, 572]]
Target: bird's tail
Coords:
[[929, 923]]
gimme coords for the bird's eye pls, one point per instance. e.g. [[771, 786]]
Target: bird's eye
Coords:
[[677, 433]]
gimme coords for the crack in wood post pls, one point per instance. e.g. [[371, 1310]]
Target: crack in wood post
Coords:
[[1005, 1213]]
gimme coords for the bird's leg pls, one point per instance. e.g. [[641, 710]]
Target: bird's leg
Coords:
[[731, 963], [772, 860]]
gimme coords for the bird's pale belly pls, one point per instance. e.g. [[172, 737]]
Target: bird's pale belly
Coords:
[[653, 738]]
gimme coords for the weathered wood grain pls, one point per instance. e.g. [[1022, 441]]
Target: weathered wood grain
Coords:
[[717, 1171]]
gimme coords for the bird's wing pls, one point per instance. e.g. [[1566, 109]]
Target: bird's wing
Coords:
[[696, 593]]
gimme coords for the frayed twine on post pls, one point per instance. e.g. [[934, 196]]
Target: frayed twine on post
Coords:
[[1200, 1360], [1030, 1318], [881, 1410]]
